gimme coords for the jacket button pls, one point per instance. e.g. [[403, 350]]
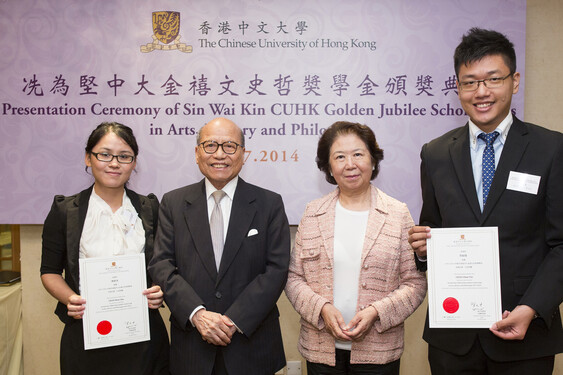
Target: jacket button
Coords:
[[311, 252], [366, 266], [218, 295], [364, 285]]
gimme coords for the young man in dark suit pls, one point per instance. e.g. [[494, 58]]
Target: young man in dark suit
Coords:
[[221, 257], [465, 183]]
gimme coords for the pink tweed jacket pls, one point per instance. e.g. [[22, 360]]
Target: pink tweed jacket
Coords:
[[388, 281]]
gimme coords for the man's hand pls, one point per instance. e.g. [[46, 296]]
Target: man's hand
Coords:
[[334, 322], [361, 323], [214, 328], [417, 239], [155, 297], [514, 325]]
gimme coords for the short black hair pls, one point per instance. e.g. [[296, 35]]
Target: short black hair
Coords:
[[344, 127], [479, 43]]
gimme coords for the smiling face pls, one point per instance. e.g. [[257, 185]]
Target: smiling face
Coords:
[[110, 175], [350, 164], [487, 107], [220, 168]]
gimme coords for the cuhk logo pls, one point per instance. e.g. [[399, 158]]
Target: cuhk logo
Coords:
[[166, 33]]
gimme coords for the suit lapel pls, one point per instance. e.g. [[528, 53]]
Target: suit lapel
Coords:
[[195, 214], [76, 215], [144, 210], [512, 152], [376, 219], [326, 216], [461, 159], [242, 214]]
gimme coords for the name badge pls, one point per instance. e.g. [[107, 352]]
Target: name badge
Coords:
[[523, 182]]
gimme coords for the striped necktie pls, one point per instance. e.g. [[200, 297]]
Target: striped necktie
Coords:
[[216, 227]]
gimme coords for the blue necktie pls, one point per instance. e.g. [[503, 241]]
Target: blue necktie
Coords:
[[488, 162]]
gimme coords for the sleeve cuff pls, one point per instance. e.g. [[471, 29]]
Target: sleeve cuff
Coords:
[[193, 313]]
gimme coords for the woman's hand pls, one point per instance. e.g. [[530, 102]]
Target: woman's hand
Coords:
[[155, 296], [361, 323], [58, 288], [334, 322], [76, 306]]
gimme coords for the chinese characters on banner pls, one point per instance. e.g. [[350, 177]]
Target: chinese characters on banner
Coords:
[[283, 72]]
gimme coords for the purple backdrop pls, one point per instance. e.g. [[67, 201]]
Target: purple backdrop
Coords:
[[282, 70]]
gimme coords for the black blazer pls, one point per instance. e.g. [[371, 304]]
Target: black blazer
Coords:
[[530, 231], [251, 277], [63, 228]]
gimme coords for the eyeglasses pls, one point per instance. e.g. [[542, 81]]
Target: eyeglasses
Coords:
[[491, 83], [210, 147], [122, 159]]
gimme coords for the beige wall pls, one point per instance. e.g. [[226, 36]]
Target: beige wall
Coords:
[[544, 82]]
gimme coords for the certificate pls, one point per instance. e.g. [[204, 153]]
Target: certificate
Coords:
[[116, 310], [463, 278]]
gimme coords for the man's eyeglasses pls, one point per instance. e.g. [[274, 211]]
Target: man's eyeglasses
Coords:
[[491, 83], [122, 159], [210, 147]]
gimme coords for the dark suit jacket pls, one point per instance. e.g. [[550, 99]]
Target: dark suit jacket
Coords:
[[63, 228], [530, 231], [251, 277]]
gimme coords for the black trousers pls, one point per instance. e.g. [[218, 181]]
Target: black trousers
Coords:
[[219, 367], [476, 362], [343, 367]]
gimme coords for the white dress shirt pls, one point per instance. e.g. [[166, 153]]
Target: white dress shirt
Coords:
[[226, 203], [477, 147]]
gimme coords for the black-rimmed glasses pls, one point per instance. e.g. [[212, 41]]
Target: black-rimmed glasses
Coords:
[[106, 157], [210, 147], [491, 83]]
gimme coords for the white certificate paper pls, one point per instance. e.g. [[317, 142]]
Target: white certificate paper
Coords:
[[463, 278], [116, 310]]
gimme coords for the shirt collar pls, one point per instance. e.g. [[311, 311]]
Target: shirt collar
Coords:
[[503, 129], [125, 203], [229, 189]]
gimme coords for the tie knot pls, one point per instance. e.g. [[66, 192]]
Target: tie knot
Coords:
[[218, 195], [489, 138]]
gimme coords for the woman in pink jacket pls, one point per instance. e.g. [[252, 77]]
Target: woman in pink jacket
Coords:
[[352, 276]]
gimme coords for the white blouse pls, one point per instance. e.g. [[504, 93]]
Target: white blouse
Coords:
[[108, 233], [349, 233]]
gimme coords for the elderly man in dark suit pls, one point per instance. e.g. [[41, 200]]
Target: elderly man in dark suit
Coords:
[[498, 171], [221, 257]]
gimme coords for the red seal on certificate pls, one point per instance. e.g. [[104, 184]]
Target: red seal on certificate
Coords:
[[104, 327], [450, 305]]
